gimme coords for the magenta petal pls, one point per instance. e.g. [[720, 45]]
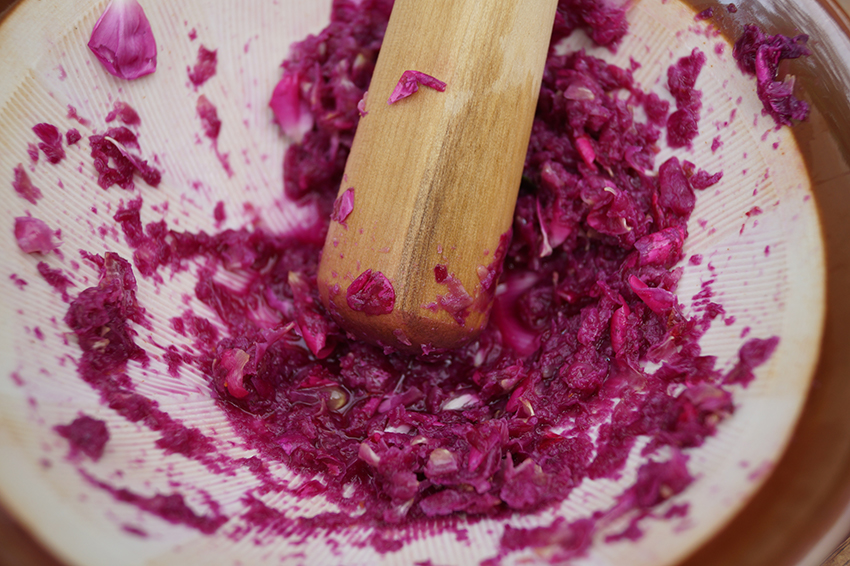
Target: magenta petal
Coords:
[[428, 80], [409, 83], [125, 113], [371, 293], [205, 66], [208, 114], [314, 327], [343, 206], [51, 142], [24, 187], [33, 235], [234, 361], [290, 110], [585, 149], [659, 300], [123, 42]]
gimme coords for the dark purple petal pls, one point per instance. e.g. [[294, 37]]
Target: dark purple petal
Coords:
[[760, 54], [86, 435]]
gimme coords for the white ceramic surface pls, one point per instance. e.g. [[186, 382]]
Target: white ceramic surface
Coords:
[[46, 67]]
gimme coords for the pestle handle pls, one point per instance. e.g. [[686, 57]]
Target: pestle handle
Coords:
[[414, 253]]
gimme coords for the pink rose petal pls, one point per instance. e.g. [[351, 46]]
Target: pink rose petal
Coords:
[[290, 110], [361, 106], [371, 293], [24, 187], [409, 83], [234, 361], [659, 300], [343, 206], [34, 235], [205, 66], [123, 42]]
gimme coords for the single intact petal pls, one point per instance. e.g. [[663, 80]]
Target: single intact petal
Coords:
[[123, 42]]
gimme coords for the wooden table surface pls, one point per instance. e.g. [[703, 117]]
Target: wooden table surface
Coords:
[[19, 548], [841, 556]]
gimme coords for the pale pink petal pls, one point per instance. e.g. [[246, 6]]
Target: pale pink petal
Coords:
[[290, 110]]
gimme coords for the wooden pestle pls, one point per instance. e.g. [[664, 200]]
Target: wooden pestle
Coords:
[[434, 176]]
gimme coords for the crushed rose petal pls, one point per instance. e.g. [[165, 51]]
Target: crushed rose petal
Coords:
[[371, 293], [51, 142], [86, 435], [208, 114], [343, 206], [124, 112], [290, 110], [205, 66], [72, 136], [584, 300], [409, 83], [112, 147], [34, 235], [23, 185], [760, 54]]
